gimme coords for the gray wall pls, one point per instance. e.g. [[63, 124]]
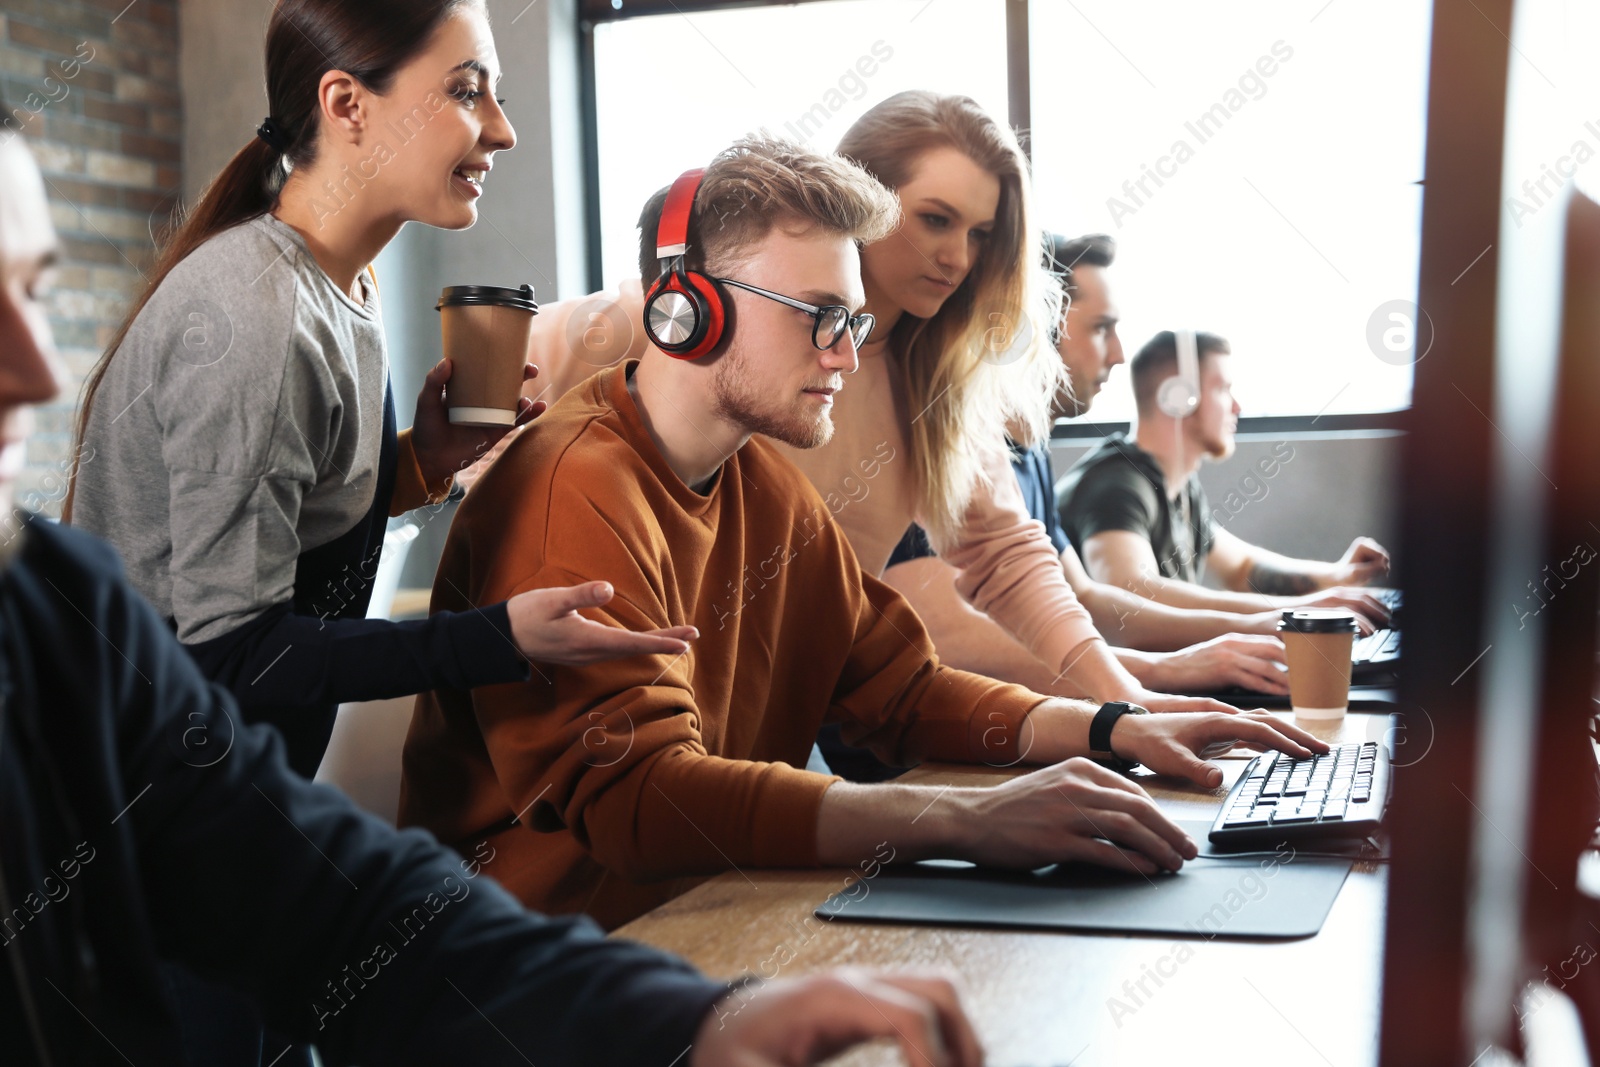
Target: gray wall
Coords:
[[1335, 488], [220, 46]]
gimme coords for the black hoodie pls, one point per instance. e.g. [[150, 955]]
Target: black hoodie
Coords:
[[141, 820]]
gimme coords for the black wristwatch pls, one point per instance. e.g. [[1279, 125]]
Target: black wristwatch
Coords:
[[1100, 731]]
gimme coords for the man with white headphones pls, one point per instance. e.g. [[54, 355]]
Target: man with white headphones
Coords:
[[1135, 510]]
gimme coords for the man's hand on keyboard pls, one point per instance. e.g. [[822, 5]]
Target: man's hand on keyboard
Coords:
[[1171, 744], [1248, 661], [1370, 612], [1363, 563]]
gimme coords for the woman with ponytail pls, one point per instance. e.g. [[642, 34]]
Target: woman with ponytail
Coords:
[[237, 439]]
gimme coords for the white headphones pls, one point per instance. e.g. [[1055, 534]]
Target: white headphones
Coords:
[[1180, 396]]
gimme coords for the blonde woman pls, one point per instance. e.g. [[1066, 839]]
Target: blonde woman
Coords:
[[959, 353]]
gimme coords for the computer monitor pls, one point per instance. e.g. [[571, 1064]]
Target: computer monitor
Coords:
[[1500, 486]]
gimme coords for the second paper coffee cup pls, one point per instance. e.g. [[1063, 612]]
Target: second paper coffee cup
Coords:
[[1317, 644], [486, 333]]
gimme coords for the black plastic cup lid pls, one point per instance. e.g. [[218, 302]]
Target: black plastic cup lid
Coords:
[[1318, 621], [493, 295]]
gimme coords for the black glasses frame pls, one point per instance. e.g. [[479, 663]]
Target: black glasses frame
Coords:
[[858, 326]]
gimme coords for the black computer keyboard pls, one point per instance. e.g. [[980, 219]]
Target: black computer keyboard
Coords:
[[1336, 796], [1375, 658], [1378, 647]]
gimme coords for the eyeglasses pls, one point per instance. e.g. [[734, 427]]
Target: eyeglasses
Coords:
[[829, 321]]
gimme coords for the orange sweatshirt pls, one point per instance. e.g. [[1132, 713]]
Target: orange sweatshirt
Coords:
[[602, 789], [1008, 569]]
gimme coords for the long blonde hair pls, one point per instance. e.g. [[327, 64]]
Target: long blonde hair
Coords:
[[983, 363]]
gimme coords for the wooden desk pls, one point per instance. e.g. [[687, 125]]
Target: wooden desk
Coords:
[[1045, 998]]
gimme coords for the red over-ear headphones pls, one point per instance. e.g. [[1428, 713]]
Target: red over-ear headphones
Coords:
[[684, 311]]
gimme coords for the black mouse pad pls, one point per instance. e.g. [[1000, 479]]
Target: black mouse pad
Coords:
[[1276, 895]]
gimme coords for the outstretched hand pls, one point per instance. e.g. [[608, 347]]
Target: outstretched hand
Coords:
[[547, 628], [445, 448]]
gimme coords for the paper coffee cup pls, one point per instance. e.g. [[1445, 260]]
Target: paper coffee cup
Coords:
[[486, 333], [1317, 644]]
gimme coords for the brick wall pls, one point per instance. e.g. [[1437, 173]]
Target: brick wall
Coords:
[[95, 85]]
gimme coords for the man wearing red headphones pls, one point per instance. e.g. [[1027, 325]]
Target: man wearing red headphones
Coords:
[[145, 824], [608, 789]]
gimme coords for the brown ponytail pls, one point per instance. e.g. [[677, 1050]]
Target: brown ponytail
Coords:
[[305, 39]]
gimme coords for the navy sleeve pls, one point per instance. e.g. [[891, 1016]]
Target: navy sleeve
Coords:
[[1058, 536], [281, 659], [914, 545], [1032, 468], [374, 944]]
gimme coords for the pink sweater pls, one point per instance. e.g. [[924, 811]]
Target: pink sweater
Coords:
[[1008, 568]]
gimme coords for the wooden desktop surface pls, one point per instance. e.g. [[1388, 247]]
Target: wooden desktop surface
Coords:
[[1043, 998]]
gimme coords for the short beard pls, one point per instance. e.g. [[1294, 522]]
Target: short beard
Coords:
[[735, 402]]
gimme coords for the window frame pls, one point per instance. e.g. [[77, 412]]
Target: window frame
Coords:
[[1019, 83]]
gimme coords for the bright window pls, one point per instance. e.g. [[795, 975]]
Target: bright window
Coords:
[[1257, 163], [671, 90]]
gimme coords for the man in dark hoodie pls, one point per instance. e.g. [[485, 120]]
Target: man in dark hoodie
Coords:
[[141, 821]]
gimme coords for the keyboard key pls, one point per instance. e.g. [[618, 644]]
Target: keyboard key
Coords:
[[1244, 821], [1291, 820]]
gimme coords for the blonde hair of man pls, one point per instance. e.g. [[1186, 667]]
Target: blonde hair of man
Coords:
[[761, 183]]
